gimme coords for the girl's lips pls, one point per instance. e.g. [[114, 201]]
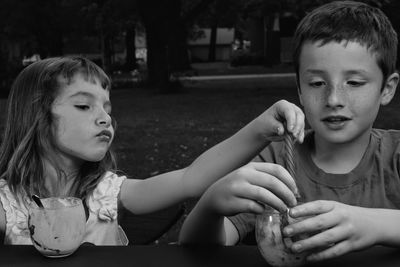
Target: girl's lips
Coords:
[[104, 138]]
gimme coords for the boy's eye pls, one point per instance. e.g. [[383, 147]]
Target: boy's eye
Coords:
[[317, 84], [355, 83], [82, 107]]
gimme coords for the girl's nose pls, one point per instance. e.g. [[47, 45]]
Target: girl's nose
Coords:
[[104, 119]]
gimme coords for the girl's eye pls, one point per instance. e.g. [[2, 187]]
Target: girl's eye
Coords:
[[82, 107]]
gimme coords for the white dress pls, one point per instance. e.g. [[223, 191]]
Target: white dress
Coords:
[[101, 227]]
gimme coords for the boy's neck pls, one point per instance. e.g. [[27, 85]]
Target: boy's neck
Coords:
[[339, 158]]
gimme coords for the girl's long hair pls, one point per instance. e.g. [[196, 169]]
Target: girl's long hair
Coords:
[[28, 142]]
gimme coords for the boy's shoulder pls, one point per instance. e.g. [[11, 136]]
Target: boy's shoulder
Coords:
[[385, 143], [386, 136]]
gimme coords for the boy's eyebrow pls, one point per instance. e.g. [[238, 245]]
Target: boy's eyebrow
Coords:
[[354, 71], [314, 71], [87, 94]]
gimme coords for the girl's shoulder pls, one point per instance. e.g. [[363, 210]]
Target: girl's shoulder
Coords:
[[110, 184], [104, 199]]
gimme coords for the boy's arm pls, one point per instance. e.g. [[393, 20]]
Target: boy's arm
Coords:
[[342, 228], [243, 190], [201, 227], [388, 221]]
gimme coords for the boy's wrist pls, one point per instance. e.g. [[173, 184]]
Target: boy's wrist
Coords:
[[387, 223]]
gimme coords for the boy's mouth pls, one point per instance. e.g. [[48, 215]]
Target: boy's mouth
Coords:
[[335, 119]]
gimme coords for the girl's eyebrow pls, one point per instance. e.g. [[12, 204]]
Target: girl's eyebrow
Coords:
[[80, 93], [89, 95]]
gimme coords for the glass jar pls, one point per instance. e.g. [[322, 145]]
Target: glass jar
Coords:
[[274, 247]]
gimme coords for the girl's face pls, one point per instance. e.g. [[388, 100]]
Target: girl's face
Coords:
[[82, 123]]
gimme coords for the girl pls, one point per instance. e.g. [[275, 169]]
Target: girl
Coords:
[[57, 143]]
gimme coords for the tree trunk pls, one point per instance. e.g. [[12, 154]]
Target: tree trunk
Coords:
[[130, 63], [157, 65], [213, 41], [106, 51], [178, 57], [166, 41]]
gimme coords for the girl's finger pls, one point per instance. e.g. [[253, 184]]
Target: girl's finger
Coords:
[[261, 195], [299, 123], [248, 206], [285, 111], [276, 178]]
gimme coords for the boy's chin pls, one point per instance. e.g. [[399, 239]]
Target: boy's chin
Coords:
[[340, 137]]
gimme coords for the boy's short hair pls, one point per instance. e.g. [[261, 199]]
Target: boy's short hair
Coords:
[[349, 21]]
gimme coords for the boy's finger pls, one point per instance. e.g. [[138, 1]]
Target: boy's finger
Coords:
[[312, 208], [331, 252], [321, 240], [312, 224]]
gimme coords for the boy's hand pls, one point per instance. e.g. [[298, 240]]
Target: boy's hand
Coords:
[[340, 229], [282, 117], [248, 188]]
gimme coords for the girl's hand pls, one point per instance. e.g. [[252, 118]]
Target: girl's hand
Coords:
[[282, 117], [340, 229], [248, 188]]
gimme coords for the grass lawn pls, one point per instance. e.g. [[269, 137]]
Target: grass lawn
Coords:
[[158, 133]]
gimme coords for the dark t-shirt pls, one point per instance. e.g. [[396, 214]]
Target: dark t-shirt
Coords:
[[373, 183]]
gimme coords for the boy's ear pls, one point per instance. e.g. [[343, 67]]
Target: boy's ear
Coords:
[[389, 88], [299, 93]]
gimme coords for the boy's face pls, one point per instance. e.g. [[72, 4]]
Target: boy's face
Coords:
[[82, 126], [340, 88]]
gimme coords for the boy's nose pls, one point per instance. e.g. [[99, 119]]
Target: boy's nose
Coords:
[[335, 96]]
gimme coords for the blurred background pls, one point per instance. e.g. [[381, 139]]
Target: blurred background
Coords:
[[186, 73]]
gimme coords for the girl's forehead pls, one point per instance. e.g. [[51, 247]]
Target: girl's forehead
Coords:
[[79, 85]]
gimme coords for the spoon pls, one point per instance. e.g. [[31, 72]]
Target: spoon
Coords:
[[38, 201]]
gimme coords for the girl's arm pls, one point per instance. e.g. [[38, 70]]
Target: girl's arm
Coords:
[[243, 146], [2, 224], [141, 196]]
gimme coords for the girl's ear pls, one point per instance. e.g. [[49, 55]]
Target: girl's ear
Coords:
[[389, 88]]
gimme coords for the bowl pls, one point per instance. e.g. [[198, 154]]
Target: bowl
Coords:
[[57, 229]]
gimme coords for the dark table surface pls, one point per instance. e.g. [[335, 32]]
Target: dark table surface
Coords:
[[174, 255]]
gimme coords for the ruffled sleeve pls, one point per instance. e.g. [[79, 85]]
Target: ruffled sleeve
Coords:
[[104, 200], [17, 231]]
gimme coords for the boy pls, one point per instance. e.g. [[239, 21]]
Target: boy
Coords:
[[347, 173]]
